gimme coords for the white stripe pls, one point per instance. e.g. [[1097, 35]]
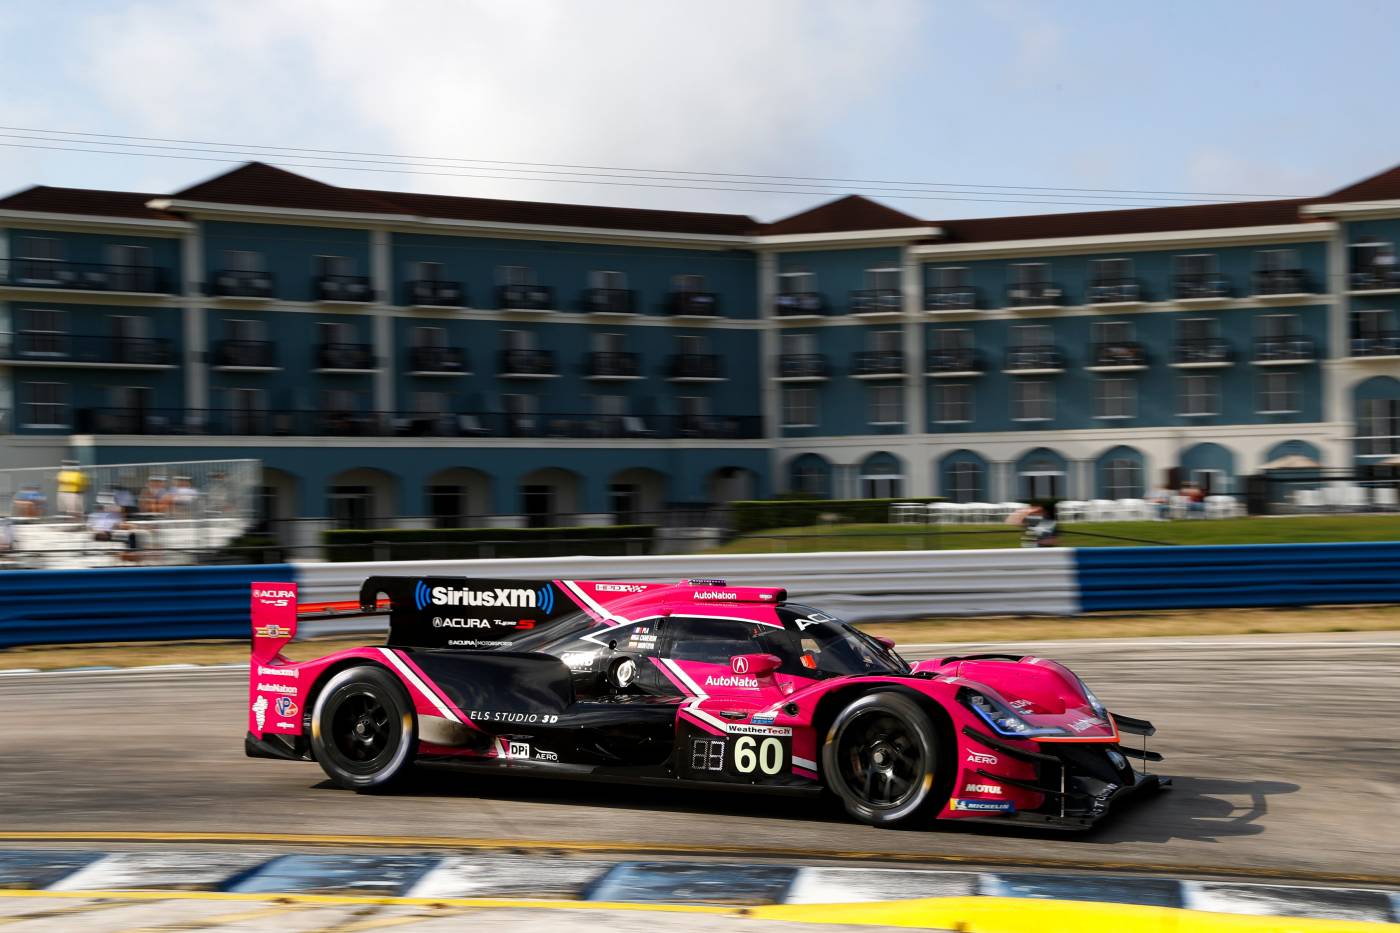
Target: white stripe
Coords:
[[596, 637], [807, 763], [693, 707], [414, 679], [696, 615], [590, 602]]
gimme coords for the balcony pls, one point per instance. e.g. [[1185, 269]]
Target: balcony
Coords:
[[1117, 356], [49, 348], [84, 276], [244, 355], [609, 301], [1378, 344], [435, 293], [877, 364], [524, 297], [694, 304], [1202, 353], [1035, 360], [240, 283], [1115, 292], [1280, 283], [950, 298], [1374, 279], [945, 364], [607, 365], [344, 358], [877, 301], [1284, 351], [1034, 295], [695, 367], [799, 304], [1200, 287], [438, 361], [527, 364], [342, 288], [803, 367]]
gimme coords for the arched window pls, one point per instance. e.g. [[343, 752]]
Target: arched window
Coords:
[[964, 481], [1122, 478], [881, 477], [809, 477]]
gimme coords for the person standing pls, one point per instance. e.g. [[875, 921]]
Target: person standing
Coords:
[[71, 485]]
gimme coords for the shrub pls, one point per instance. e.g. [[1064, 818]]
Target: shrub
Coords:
[[760, 514]]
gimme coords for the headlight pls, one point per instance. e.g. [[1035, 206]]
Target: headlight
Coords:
[[1099, 709], [1004, 721]]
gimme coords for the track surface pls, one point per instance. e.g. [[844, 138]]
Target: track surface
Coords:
[[1285, 751]]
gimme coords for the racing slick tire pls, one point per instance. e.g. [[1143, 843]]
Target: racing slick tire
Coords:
[[881, 758], [364, 732]]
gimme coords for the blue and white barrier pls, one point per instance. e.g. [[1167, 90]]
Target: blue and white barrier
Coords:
[[44, 606]]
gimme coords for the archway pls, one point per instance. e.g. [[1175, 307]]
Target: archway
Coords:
[[1120, 473], [363, 497], [1042, 474], [731, 484], [636, 495], [458, 497], [810, 474], [1209, 466], [548, 497], [881, 476], [278, 502], [962, 477]]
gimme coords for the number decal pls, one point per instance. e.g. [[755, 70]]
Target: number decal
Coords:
[[776, 747], [769, 758]]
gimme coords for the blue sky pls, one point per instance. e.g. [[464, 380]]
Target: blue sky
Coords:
[[1271, 98]]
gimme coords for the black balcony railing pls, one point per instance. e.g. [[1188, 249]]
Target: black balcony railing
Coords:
[[1118, 353], [799, 304], [962, 360], [437, 360], [244, 353], [1370, 278], [525, 297], [1376, 343], [342, 288], [950, 298], [1031, 294], [1201, 351], [877, 363], [610, 300], [803, 366], [84, 276], [1280, 282], [695, 366], [240, 283], [50, 346], [344, 356], [1044, 357], [695, 304], [1293, 348], [1114, 291], [609, 364], [364, 423], [526, 363], [877, 301], [435, 293], [1200, 285]]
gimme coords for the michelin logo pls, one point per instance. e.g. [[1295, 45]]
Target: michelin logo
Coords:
[[260, 710], [502, 597], [987, 806]]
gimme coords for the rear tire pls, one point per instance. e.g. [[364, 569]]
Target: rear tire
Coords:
[[881, 757], [364, 732]]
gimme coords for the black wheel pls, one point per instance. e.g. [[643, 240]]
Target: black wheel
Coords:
[[881, 758], [363, 730]]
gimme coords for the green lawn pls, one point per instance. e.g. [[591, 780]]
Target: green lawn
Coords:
[[1302, 529]]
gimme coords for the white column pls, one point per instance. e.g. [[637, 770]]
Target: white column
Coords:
[[382, 284], [196, 325], [1334, 402], [917, 463]]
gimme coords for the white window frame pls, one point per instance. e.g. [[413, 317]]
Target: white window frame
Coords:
[[799, 406], [1211, 264], [1112, 488], [1040, 335], [797, 281], [57, 333], [1097, 269], [1027, 409], [1019, 273], [953, 476], [60, 408], [1378, 427], [1185, 381], [883, 279], [1119, 406], [1280, 392], [940, 278], [949, 410], [880, 410]]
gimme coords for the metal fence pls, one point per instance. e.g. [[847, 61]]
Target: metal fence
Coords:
[[1311, 491], [185, 489]]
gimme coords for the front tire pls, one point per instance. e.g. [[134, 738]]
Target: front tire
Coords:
[[364, 732], [881, 758]]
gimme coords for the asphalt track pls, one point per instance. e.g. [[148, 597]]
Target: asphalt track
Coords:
[[1285, 751]]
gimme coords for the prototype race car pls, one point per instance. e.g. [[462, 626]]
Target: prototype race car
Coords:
[[692, 683]]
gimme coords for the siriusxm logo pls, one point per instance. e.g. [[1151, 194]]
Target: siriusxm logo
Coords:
[[501, 597]]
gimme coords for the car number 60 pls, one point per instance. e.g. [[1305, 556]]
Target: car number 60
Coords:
[[769, 758]]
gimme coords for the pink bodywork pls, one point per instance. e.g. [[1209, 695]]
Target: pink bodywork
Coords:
[[1042, 692]]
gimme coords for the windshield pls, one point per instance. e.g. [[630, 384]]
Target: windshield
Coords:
[[831, 648]]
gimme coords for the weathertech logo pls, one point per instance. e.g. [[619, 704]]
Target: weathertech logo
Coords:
[[500, 597]]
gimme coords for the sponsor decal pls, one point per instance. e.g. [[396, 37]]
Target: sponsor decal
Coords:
[[272, 630], [739, 665], [1079, 725], [502, 596], [981, 758], [488, 715], [285, 707], [518, 749], [716, 594], [542, 755], [763, 719], [1021, 706], [260, 711], [447, 622], [813, 618], [982, 789], [620, 588], [747, 683], [286, 725], [765, 596], [578, 660], [745, 729], [986, 806], [474, 643], [277, 688], [275, 597], [278, 672]]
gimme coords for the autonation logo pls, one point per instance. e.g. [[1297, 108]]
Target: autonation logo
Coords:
[[500, 597]]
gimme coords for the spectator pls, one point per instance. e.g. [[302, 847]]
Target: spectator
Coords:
[[103, 522], [71, 486], [155, 498], [29, 501], [1039, 524], [125, 499], [183, 497], [1195, 501], [1161, 499]]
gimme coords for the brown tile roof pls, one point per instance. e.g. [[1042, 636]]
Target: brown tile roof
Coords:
[[48, 200], [1123, 222], [852, 212], [1383, 186], [262, 185]]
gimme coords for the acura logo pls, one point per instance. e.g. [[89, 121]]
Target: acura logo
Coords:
[[740, 665]]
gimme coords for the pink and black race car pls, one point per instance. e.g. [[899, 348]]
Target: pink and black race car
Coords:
[[690, 683]]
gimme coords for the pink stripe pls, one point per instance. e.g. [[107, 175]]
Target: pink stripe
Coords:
[[466, 720], [803, 772], [666, 672], [690, 718]]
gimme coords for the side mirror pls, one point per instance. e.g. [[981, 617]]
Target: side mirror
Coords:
[[755, 665], [887, 642]]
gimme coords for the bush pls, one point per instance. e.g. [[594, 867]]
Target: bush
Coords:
[[473, 543], [761, 514]]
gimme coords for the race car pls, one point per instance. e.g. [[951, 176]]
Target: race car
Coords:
[[692, 683]]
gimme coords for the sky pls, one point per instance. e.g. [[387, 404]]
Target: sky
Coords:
[[1236, 98]]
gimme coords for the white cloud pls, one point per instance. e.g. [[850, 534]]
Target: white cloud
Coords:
[[762, 85]]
